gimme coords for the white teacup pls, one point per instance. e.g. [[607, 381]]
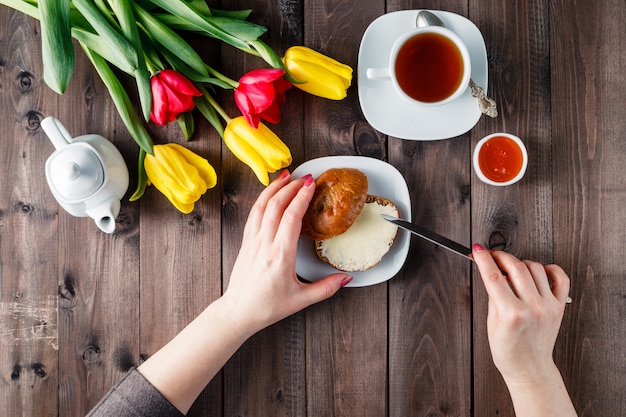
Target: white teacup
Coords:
[[429, 66]]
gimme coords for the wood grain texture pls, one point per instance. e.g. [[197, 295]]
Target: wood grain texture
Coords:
[[347, 335], [29, 339], [588, 88], [258, 380], [79, 307], [517, 219], [98, 274], [430, 304]]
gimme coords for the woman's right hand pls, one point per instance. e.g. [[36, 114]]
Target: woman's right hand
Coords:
[[526, 305]]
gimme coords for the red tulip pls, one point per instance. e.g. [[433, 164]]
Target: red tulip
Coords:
[[172, 94], [260, 94]]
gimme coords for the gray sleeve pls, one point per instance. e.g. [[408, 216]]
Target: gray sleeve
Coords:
[[134, 396]]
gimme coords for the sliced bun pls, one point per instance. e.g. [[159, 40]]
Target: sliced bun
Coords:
[[339, 197], [365, 243]]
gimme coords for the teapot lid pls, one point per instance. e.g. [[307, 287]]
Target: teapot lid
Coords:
[[75, 172]]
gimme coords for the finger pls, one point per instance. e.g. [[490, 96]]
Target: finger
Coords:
[[560, 282], [255, 218], [495, 282], [291, 223], [519, 276], [540, 277], [323, 289], [278, 208]]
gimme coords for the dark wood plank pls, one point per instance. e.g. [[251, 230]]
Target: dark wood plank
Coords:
[[29, 249], [181, 256], [180, 271], [98, 273], [517, 218], [78, 307], [347, 335], [589, 131], [267, 375], [429, 302]]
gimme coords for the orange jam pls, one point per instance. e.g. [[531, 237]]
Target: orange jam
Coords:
[[500, 159]]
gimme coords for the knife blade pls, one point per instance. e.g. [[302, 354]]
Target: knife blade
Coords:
[[430, 236]]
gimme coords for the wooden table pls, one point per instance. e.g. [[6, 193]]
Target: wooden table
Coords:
[[80, 307]]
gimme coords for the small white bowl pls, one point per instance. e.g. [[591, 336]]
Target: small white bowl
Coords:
[[478, 170]]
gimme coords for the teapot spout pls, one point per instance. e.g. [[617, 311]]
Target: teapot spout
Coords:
[[104, 214]]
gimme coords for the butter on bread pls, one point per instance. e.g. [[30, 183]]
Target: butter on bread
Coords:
[[365, 243]]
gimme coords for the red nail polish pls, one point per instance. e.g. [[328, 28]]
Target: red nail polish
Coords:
[[284, 174], [477, 247], [308, 180], [345, 281]]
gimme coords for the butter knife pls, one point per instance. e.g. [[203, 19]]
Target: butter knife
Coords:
[[430, 236]]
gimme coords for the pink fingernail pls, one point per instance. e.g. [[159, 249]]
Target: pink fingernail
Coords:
[[345, 281], [477, 247], [284, 174], [308, 180]]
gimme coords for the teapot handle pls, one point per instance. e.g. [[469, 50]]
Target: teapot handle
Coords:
[[59, 136]]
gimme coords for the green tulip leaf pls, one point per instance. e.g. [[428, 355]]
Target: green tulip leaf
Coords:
[[180, 66], [209, 113], [273, 59], [106, 12], [186, 12], [57, 49], [94, 42], [142, 78], [186, 124], [233, 14], [151, 56], [117, 43], [200, 6], [170, 40], [121, 100], [123, 10], [142, 177], [243, 30]]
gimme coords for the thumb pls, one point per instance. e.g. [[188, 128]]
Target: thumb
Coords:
[[326, 287]]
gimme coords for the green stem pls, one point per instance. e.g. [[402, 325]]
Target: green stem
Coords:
[[215, 104], [222, 77]]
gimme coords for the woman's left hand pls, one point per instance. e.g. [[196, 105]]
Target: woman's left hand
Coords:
[[263, 287]]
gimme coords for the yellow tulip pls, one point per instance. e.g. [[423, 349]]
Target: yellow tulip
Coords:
[[181, 175], [323, 76], [258, 148]]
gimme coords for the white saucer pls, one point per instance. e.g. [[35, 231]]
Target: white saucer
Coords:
[[392, 115], [383, 180]]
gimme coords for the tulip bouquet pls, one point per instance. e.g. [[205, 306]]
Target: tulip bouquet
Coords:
[[143, 38]]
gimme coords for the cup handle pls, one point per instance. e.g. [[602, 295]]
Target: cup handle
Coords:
[[377, 73]]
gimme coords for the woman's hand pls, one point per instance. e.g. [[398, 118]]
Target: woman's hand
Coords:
[[263, 287], [526, 305]]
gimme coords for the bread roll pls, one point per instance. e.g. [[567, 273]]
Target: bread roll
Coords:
[[339, 197], [365, 243]]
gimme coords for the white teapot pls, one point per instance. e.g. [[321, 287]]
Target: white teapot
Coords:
[[87, 175]]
